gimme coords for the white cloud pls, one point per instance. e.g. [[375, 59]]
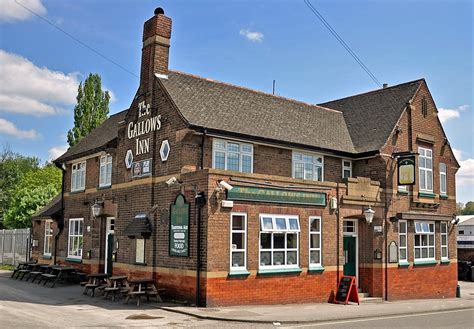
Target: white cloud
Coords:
[[458, 154], [253, 36], [465, 175], [448, 114], [32, 90], [11, 11], [9, 128], [57, 151]]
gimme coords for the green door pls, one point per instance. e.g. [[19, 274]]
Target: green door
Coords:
[[110, 250], [349, 255]]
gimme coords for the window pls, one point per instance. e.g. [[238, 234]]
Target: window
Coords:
[[105, 177], [140, 251], [424, 107], [461, 232], [232, 156], [402, 241], [442, 179], [76, 227], [403, 188], [444, 241], [348, 226], [308, 166], [426, 169], [78, 176], [424, 241], [48, 235], [238, 242], [279, 241], [346, 168], [315, 258]]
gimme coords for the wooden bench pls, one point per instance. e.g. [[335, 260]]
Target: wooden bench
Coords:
[[46, 277], [22, 273], [135, 294], [34, 275], [111, 290], [90, 287]]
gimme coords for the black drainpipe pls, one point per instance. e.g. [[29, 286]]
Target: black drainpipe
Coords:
[[61, 219], [204, 133], [198, 250], [337, 235]]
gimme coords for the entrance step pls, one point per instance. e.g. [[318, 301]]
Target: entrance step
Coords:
[[370, 299], [363, 294]]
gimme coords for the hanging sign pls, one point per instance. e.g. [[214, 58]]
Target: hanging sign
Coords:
[[347, 291], [406, 170], [179, 227], [244, 193]]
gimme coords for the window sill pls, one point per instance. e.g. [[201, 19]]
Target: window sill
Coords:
[[280, 271], [105, 187], [74, 260], [444, 196], [430, 195], [424, 262], [237, 274], [139, 264], [46, 257], [403, 264], [402, 192], [445, 261], [316, 269], [77, 191]]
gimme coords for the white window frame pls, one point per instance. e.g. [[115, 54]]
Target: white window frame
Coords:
[[443, 178], [48, 236], [344, 167], [320, 249], [105, 177], [244, 250], [73, 237], [400, 246], [315, 163], [423, 232], [274, 230], [78, 168], [427, 170], [444, 246], [226, 152], [140, 258]]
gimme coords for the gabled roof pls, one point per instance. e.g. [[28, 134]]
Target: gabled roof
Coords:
[[226, 108], [96, 139], [50, 210], [372, 116]]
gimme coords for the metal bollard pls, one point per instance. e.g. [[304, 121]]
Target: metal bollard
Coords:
[[458, 291]]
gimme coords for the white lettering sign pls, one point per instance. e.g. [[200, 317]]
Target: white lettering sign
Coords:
[[146, 126]]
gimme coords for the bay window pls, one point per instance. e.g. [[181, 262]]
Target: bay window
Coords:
[[426, 169], [238, 242], [308, 166], [424, 241], [279, 240], [78, 176], [230, 155], [75, 241]]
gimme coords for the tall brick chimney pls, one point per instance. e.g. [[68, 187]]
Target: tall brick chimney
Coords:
[[155, 51]]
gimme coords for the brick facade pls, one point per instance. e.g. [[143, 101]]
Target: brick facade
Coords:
[[190, 161]]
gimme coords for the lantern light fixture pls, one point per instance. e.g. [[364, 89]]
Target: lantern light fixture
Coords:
[[369, 215]]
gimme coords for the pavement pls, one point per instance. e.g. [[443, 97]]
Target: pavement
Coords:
[[325, 312], [26, 304]]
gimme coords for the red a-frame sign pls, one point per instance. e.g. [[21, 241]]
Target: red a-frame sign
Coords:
[[347, 291]]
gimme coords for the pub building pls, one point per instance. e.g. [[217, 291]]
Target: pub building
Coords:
[[226, 195]]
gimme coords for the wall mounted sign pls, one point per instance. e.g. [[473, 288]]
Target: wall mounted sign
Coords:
[[378, 229], [179, 227], [244, 193], [144, 125], [141, 168], [406, 170], [165, 150], [393, 252], [129, 159]]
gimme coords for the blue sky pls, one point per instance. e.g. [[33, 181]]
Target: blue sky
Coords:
[[247, 43]]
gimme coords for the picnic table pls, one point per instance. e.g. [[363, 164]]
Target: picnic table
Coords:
[[115, 284], [142, 287], [96, 280], [21, 268], [57, 273]]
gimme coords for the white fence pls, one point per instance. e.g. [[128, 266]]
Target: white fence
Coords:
[[15, 246]]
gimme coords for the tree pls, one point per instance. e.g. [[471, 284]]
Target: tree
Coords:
[[34, 190], [91, 109], [468, 209], [13, 167]]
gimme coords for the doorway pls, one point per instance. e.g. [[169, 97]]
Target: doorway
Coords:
[[109, 244], [350, 249]]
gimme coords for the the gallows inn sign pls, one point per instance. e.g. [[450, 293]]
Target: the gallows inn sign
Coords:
[[143, 127]]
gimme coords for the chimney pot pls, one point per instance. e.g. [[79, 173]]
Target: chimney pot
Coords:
[[159, 11]]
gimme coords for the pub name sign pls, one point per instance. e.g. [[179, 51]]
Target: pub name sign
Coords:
[[145, 125]]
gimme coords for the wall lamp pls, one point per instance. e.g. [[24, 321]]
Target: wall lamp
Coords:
[[369, 215], [97, 208]]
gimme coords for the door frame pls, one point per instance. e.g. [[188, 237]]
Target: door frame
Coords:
[[354, 234], [107, 232]]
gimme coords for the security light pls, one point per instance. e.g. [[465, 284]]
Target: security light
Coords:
[[172, 181], [223, 184]]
